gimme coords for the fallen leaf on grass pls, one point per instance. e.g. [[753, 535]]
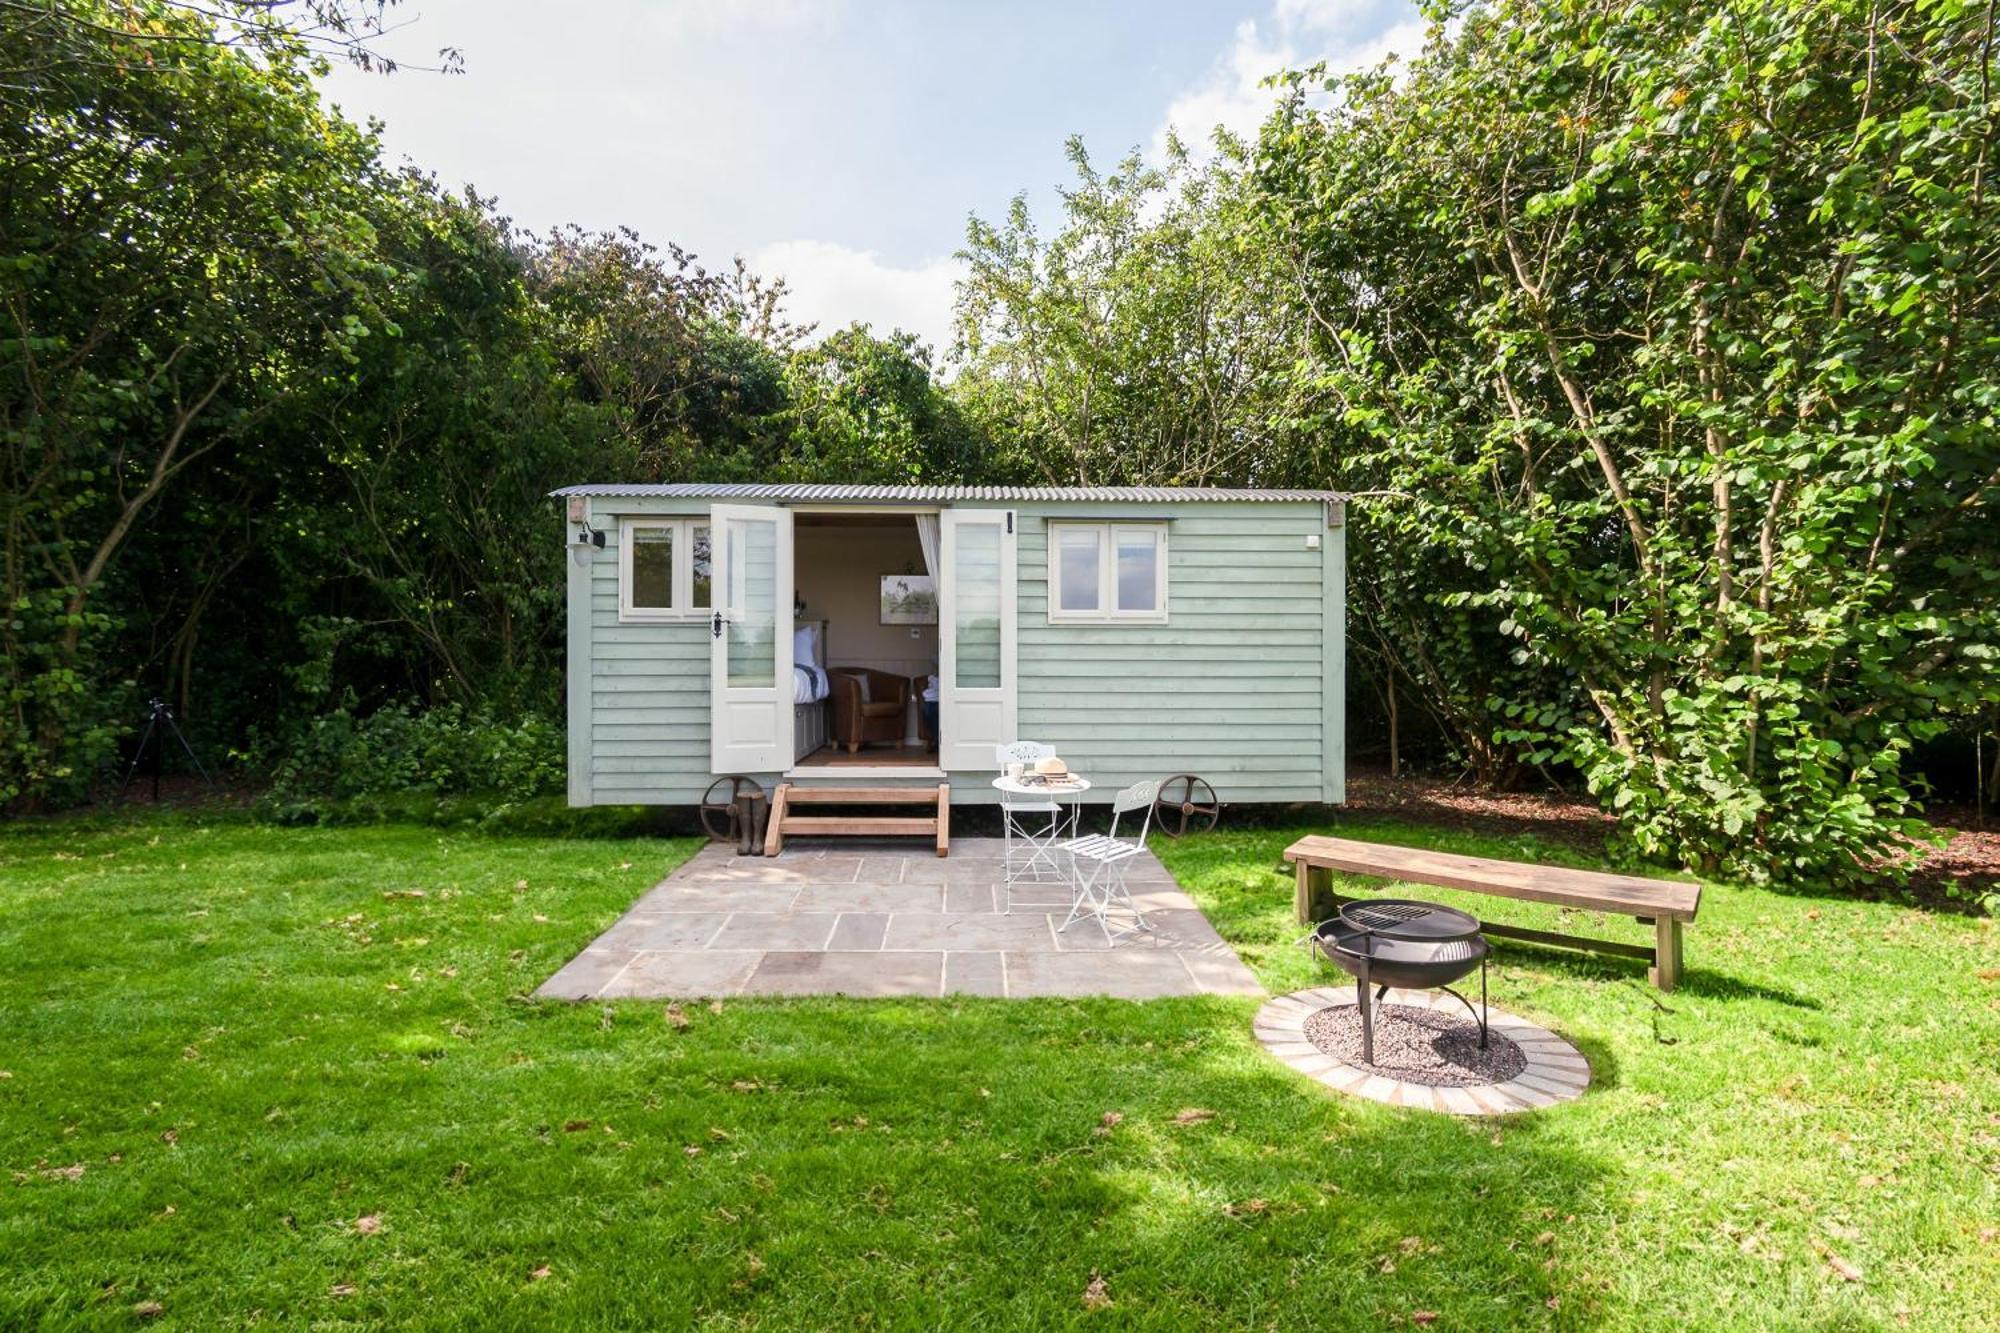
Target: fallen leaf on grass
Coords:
[[1193, 1115], [1095, 1297], [148, 1310], [541, 918], [520, 886], [538, 1274], [341, 1289], [402, 893], [1424, 1317], [6, 1073], [1989, 974], [171, 1138], [677, 1018], [368, 1224], [715, 1006], [575, 1126], [74, 1171], [1107, 1122], [1847, 1271], [1248, 1208]]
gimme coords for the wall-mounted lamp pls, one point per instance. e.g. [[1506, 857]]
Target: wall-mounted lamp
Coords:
[[587, 543]]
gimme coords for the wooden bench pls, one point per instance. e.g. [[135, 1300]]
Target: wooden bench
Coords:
[[1663, 904]]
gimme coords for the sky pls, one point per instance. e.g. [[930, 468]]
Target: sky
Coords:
[[841, 144]]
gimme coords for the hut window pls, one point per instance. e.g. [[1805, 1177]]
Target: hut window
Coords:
[[1105, 573], [663, 568]]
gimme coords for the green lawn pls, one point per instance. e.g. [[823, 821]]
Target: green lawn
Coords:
[[260, 1075]]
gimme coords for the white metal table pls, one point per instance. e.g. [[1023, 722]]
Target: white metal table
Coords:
[[1041, 850]]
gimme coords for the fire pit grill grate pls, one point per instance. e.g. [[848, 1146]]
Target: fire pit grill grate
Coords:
[[1402, 942]]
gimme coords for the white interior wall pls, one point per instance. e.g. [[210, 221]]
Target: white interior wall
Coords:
[[839, 574]]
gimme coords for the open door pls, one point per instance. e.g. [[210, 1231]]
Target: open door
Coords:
[[976, 654], [750, 640]]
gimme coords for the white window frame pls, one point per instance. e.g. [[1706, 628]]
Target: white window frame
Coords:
[[683, 590], [1107, 612]]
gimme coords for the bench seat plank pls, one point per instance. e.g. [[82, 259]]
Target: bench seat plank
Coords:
[[1629, 895]]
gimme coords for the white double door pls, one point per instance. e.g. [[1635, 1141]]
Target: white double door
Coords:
[[750, 658]]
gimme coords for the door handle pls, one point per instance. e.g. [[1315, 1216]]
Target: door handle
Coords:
[[716, 627]]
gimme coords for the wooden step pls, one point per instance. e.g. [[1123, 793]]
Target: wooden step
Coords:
[[860, 825], [863, 795], [936, 825]]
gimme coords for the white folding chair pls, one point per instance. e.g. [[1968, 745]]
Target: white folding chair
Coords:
[[1099, 862], [1031, 825]]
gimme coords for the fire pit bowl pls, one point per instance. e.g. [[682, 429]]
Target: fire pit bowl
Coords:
[[1410, 945]]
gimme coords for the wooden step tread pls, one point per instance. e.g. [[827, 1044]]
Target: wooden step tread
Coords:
[[864, 795], [860, 826]]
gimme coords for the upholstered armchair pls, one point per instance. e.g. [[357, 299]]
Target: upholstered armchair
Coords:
[[868, 705]]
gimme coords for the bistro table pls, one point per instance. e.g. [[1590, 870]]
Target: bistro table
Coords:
[[1027, 785]]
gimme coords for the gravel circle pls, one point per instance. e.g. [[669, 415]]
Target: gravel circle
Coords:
[[1427, 1046]]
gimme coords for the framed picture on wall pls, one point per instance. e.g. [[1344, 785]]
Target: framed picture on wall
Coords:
[[909, 599]]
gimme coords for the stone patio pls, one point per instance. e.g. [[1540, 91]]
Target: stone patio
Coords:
[[841, 918]]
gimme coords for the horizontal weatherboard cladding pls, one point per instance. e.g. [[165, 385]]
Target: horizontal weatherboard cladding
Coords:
[[1241, 685], [1232, 687]]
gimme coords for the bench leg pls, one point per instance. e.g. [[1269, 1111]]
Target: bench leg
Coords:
[[1313, 897], [1666, 953]]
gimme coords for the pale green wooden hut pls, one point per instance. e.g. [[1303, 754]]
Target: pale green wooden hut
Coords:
[[1143, 631]]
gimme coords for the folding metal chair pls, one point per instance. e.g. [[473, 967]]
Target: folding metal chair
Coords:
[[1099, 862], [1031, 825]]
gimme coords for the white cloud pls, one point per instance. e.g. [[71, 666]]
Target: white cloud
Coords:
[[1346, 34], [837, 285]]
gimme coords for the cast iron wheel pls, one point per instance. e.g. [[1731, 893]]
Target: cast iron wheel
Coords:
[[1186, 804], [718, 811]]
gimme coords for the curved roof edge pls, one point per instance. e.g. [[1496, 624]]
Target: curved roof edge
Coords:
[[926, 494]]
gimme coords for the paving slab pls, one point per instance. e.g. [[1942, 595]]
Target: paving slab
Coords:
[[975, 974], [870, 898], [846, 973], [682, 974]]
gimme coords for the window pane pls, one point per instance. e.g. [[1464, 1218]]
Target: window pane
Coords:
[[699, 554], [653, 567], [976, 612], [753, 604], [1076, 569], [1138, 569]]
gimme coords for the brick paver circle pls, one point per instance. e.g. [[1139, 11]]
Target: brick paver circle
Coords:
[[1556, 1071]]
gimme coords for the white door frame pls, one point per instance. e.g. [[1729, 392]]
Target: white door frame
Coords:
[[750, 726], [972, 721]]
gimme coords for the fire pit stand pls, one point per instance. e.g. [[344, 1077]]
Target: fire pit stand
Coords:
[[1384, 942]]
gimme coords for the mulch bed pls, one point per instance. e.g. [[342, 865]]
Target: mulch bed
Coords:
[[1427, 1046], [1952, 877]]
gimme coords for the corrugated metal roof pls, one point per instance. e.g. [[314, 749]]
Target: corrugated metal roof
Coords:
[[818, 494]]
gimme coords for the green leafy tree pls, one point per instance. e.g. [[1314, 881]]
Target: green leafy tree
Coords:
[[868, 409], [185, 248], [1139, 342], [1674, 332]]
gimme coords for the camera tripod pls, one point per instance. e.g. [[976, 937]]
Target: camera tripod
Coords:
[[161, 713]]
